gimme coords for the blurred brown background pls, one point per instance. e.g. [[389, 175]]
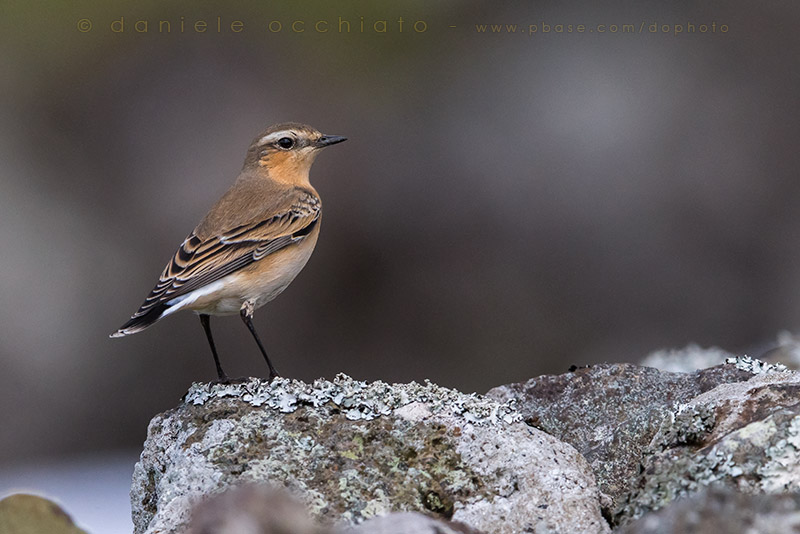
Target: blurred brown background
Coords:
[[507, 205]]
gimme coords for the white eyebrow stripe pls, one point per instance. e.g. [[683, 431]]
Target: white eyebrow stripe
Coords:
[[275, 136]]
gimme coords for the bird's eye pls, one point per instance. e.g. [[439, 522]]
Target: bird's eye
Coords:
[[286, 143]]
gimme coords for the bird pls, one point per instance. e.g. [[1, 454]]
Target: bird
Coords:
[[251, 244]]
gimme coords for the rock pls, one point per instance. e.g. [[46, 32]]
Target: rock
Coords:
[[352, 450], [260, 509], [686, 360], [785, 350], [30, 514], [610, 412], [743, 436], [252, 509], [408, 523], [723, 511]]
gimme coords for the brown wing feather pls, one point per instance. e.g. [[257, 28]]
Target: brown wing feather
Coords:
[[199, 262]]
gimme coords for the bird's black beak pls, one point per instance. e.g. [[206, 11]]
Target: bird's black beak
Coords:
[[327, 140]]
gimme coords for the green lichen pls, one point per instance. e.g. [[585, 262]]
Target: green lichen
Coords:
[[781, 472], [364, 469], [762, 456]]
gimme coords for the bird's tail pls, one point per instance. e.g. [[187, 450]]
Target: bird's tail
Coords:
[[142, 319]]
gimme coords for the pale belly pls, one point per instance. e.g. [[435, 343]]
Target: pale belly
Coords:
[[257, 283]]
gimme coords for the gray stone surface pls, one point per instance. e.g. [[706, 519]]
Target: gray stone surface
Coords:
[[352, 450], [722, 511], [743, 436], [610, 412]]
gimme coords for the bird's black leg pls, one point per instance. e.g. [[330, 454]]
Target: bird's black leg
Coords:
[[204, 320], [247, 317]]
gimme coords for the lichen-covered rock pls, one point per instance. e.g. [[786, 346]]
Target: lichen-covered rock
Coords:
[[352, 450], [610, 412], [30, 514], [723, 511], [744, 436]]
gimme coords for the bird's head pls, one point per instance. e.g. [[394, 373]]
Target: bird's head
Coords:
[[286, 151]]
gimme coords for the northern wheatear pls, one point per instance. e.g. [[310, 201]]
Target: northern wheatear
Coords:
[[251, 244]]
